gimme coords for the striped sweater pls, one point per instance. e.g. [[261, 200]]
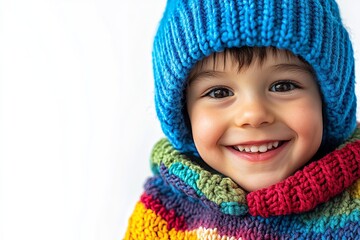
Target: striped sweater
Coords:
[[186, 200]]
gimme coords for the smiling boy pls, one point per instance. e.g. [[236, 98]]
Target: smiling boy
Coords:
[[257, 103], [257, 124]]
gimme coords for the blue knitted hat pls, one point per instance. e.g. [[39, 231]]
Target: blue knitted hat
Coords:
[[193, 29]]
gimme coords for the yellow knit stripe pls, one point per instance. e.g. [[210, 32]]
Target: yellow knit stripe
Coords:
[[144, 224], [354, 190]]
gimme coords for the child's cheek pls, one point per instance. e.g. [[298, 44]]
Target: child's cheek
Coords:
[[207, 128], [305, 118]]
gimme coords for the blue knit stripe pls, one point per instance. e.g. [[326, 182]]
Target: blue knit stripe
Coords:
[[189, 34], [229, 23], [200, 28], [213, 30], [268, 20], [303, 30], [330, 45], [181, 44], [187, 175], [233, 208], [325, 224]]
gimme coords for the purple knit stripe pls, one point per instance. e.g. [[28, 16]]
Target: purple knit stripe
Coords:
[[173, 180], [163, 191], [199, 215]]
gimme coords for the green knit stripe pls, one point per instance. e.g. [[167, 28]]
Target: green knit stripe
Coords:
[[218, 189]]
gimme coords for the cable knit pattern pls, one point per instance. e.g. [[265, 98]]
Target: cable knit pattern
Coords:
[[191, 30], [185, 201]]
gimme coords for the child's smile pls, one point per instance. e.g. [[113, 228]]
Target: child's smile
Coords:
[[256, 125], [257, 152], [258, 147]]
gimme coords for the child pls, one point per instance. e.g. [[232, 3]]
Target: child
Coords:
[[257, 101]]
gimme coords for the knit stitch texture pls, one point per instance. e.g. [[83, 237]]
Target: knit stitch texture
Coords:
[[191, 30], [185, 201]]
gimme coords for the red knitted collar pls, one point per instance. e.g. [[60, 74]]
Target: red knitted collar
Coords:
[[315, 184]]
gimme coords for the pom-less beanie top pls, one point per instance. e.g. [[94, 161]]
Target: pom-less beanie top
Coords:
[[193, 29]]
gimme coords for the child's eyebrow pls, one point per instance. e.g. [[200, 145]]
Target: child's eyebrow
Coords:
[[204, 75], [291, 67]]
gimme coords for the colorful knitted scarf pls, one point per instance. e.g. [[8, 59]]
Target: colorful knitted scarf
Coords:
[[184, 200]]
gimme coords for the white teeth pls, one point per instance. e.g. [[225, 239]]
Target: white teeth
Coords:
[[263, 148], [257, 148], [254, 149]]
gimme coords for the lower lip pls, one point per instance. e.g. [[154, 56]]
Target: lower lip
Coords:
[[259, 157]]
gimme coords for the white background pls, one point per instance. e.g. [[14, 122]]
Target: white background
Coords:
[[77, 120]]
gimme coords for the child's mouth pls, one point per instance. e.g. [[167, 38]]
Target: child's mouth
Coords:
[[261, 148]]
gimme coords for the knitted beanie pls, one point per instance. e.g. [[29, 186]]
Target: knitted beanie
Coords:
[[193, 29]]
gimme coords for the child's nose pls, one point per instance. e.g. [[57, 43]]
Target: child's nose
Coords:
[[254, 112]]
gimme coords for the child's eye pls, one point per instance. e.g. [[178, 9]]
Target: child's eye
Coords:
[[283, 86], [219, 93]]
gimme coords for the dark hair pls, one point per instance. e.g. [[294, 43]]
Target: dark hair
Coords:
[[243, 57]]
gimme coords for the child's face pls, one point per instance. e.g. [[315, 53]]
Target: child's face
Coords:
[[257, 125]]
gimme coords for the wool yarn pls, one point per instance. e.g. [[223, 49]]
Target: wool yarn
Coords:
[[191, 30], [185, 201]]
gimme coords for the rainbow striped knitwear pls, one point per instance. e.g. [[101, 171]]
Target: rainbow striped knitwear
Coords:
[[185, 201], [191, 30]]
